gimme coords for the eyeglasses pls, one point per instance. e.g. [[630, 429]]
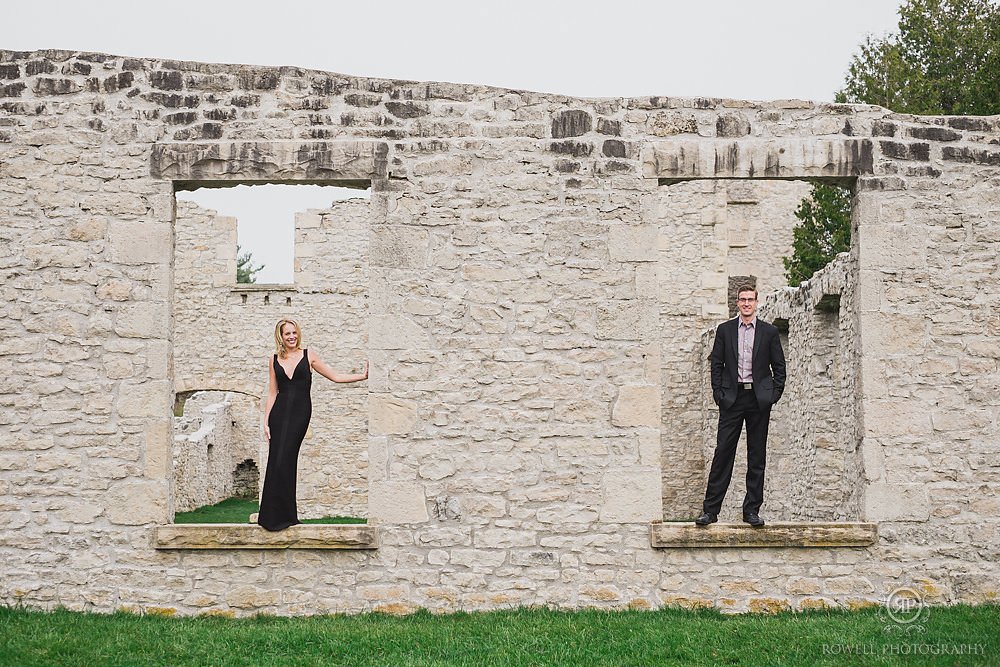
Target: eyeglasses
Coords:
[[746, 299]]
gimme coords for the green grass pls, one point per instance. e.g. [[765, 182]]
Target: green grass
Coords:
[[238, 510], [519, 637]]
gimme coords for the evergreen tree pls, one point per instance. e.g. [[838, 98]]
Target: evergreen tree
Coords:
[[945, 59], [245, 270], [824, 231]]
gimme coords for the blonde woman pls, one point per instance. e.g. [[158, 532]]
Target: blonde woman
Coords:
[[286, 419]]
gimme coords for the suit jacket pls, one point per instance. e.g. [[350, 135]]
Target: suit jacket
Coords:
[[768, 364]]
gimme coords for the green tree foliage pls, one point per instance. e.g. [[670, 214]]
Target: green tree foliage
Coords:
[[945, 59], [824, 231], [245, 270]]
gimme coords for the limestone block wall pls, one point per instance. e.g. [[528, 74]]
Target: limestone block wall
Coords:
[[225, 338], [522, 386]]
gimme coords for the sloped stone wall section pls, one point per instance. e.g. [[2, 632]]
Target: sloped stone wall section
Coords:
[[817, 464], [517, 323], [211, 439]]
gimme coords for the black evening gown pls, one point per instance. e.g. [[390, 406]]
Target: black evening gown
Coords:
[[288, 422]]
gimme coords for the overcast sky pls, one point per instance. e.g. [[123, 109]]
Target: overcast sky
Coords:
[[726, 48]]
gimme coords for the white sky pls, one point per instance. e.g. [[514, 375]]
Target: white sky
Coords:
[[759, 50]]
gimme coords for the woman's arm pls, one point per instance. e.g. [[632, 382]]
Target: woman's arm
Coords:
[[272, 393], [321, 367]]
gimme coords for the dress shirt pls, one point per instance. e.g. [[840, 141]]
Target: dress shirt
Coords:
[[745, 362]]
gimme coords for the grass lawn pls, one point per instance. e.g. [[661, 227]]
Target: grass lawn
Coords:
[[238, 510], [517, 637]]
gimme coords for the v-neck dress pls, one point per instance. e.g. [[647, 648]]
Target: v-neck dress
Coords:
[[288, 421]]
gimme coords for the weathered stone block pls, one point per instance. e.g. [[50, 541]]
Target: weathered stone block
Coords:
[[637, 405], [571, 124], [140, 242], [399, 246], [390, 415], [166, 79], [392, 332], [973, 155], [276, 160], [397, 502], [46, 86], [896, 502], [684, 535], [143, 399], [775, 158], [233, 536], [135, 503], [633, 243], [148, 319], [407, 109], [732, 125], [631, 496], [627, 320], [902, 151], [934, 133]]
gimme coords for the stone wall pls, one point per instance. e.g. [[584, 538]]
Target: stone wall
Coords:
[[210, 442], [814, 455], [533, 311]]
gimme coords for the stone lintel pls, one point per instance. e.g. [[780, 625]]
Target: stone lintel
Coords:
[[786, 158], [673, 535], [350, 163], [248, 536]]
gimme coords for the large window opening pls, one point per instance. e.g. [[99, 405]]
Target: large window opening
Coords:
[[740, 231], [312, 241]]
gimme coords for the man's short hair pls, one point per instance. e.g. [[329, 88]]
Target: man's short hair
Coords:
[[746, 288]]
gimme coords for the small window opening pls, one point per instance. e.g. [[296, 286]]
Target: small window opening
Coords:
[[265, 221]]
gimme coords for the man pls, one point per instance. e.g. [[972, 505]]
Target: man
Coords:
[[748, 377]]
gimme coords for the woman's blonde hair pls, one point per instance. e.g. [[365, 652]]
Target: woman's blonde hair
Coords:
[[279, 342]]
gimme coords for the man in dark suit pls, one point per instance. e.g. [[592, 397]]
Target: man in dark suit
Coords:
[[748, 377]]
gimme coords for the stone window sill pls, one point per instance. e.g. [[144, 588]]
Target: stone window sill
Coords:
[[677, 535], [263, 287], [248, 536]]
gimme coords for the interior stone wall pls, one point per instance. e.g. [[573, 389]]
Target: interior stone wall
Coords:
[[814, 453], [523, 389], [210, 441]]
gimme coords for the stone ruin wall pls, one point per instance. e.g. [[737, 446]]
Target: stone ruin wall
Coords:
[[327, 299], [747, 224], [818, 473], [212, 443], [522, 398]]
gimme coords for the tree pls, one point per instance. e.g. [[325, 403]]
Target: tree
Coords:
[[824, 231], [945, 59], [245, 270]]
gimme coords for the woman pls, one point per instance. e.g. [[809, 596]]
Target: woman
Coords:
[[286, 419]]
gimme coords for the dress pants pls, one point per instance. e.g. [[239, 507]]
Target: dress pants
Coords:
[[745, 409]]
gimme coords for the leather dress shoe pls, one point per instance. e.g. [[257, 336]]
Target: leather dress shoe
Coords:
[[706, 519], [753, 519]]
